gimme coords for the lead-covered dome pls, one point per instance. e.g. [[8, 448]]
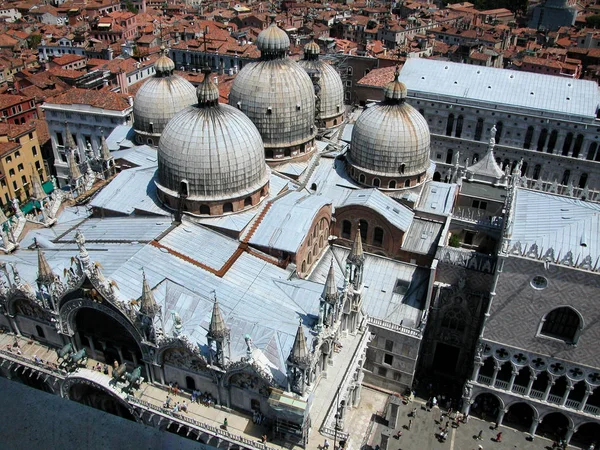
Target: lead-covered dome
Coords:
[[159, 99], [278, 96], [211, 158], [329, 90], [390, 142]]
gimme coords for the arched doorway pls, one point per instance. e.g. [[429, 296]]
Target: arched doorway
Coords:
[[520, 416], [437, 176], [97, 398], [554, 426], [106, 339], [586, 434], [486, 406]]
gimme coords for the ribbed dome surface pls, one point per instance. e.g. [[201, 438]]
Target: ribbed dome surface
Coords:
[[164, 65], [278, 96], [385, 136], [216, 149], [158, 100], [332, 89], [272, 39], [312, 48]]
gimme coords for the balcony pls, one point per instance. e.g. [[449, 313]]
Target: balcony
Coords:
[[477, 216]]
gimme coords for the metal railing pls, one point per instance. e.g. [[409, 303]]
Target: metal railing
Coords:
[[40, 367]]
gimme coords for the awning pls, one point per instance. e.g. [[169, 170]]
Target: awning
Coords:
[[28, 207]]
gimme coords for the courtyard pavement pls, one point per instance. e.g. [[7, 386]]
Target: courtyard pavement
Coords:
[[426, 426]]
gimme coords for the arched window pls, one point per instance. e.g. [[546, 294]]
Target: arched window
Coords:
[[392, 184], [567, 144], [542, 140], [479, 129], [583, 180], [40, 332], [437, 176], [475, 157], [204, 209], [378, 237], [269, 154], [303, 267], [459, 126], [248, 201], [364, 227], [402, 168], [450, 125], [524, 169], [536, 171], [449, 155], [562, 323], [407, 183], [528, 137], [591, 154], [552, 141], [376, 182], [183, 188], [313, 187], [346, 229], [578, 145], [227, 207], [454, 320], [309, 259], [190, 383], [566, 177], [361, 178]]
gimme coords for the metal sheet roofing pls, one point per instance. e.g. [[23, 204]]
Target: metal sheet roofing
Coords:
[[501, 87], [118, 229], [422, 237], [397, 214], [561, 223], [130, 191], [393, 291], [123, 136], [287, 222], [437, 198], [140, 155]]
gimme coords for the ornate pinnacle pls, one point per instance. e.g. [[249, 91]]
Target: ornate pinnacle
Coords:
[[217, 328], [330, 290], [37, 192], [148, 305], [299, 354], [356, 254], [45, 274]]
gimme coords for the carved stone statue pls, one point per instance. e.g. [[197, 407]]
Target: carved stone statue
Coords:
[[493, 132]]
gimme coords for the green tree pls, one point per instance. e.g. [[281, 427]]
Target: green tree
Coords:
[[593, 21], [130, 7], [34, 40]]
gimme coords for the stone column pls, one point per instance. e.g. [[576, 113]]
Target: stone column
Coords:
[[13, 324], [588, 392], [120, 351], [565, 396], [569, 434], [92, 348], [500, 417], [134, 358], [476, 369], [560, 141], [495, 375], [511, 382], [530, 385], [533, 428], [547, 391]]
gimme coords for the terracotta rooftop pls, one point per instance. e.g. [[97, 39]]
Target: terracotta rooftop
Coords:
[[99, 99], [7, 147], [7, 100], [67, 59], [378, 77]]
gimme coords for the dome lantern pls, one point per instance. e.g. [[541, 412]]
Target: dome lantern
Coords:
[[164, 65], [207, 91], [395, 92], [273, 42]]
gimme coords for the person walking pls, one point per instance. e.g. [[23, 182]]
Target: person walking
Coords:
[[326, 445], [409, 424], [480, 435], [225, 423], [499, 437]]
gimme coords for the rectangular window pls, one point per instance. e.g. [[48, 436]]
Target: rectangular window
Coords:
[[389, 345], [11, 172], [59, 139], [388, 359], [34, 150], [382, 371], [469, 237], [37, 165], [397, 376], [15, 187], [30, 135], [17, 153], [8, 159], [20, 167], [24, 179]]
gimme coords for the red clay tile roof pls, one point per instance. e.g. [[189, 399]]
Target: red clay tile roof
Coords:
[[7, 147], [67, 59], [378, 77], [99, 99], [7, 100]]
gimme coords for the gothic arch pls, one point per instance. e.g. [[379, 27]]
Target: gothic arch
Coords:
[[69, 310], [553, 411], [79, 379], [562, 322]]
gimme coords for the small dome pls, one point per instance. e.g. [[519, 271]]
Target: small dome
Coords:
[[273, 41], [395, 90], [331, 89], [391, 140], [312, 48], [159, 99], [214, 149], [207, 93], [164, 65]]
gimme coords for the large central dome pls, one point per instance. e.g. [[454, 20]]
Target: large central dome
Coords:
[[159, 99], [390, 143], [278, 96], [211, 158]]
